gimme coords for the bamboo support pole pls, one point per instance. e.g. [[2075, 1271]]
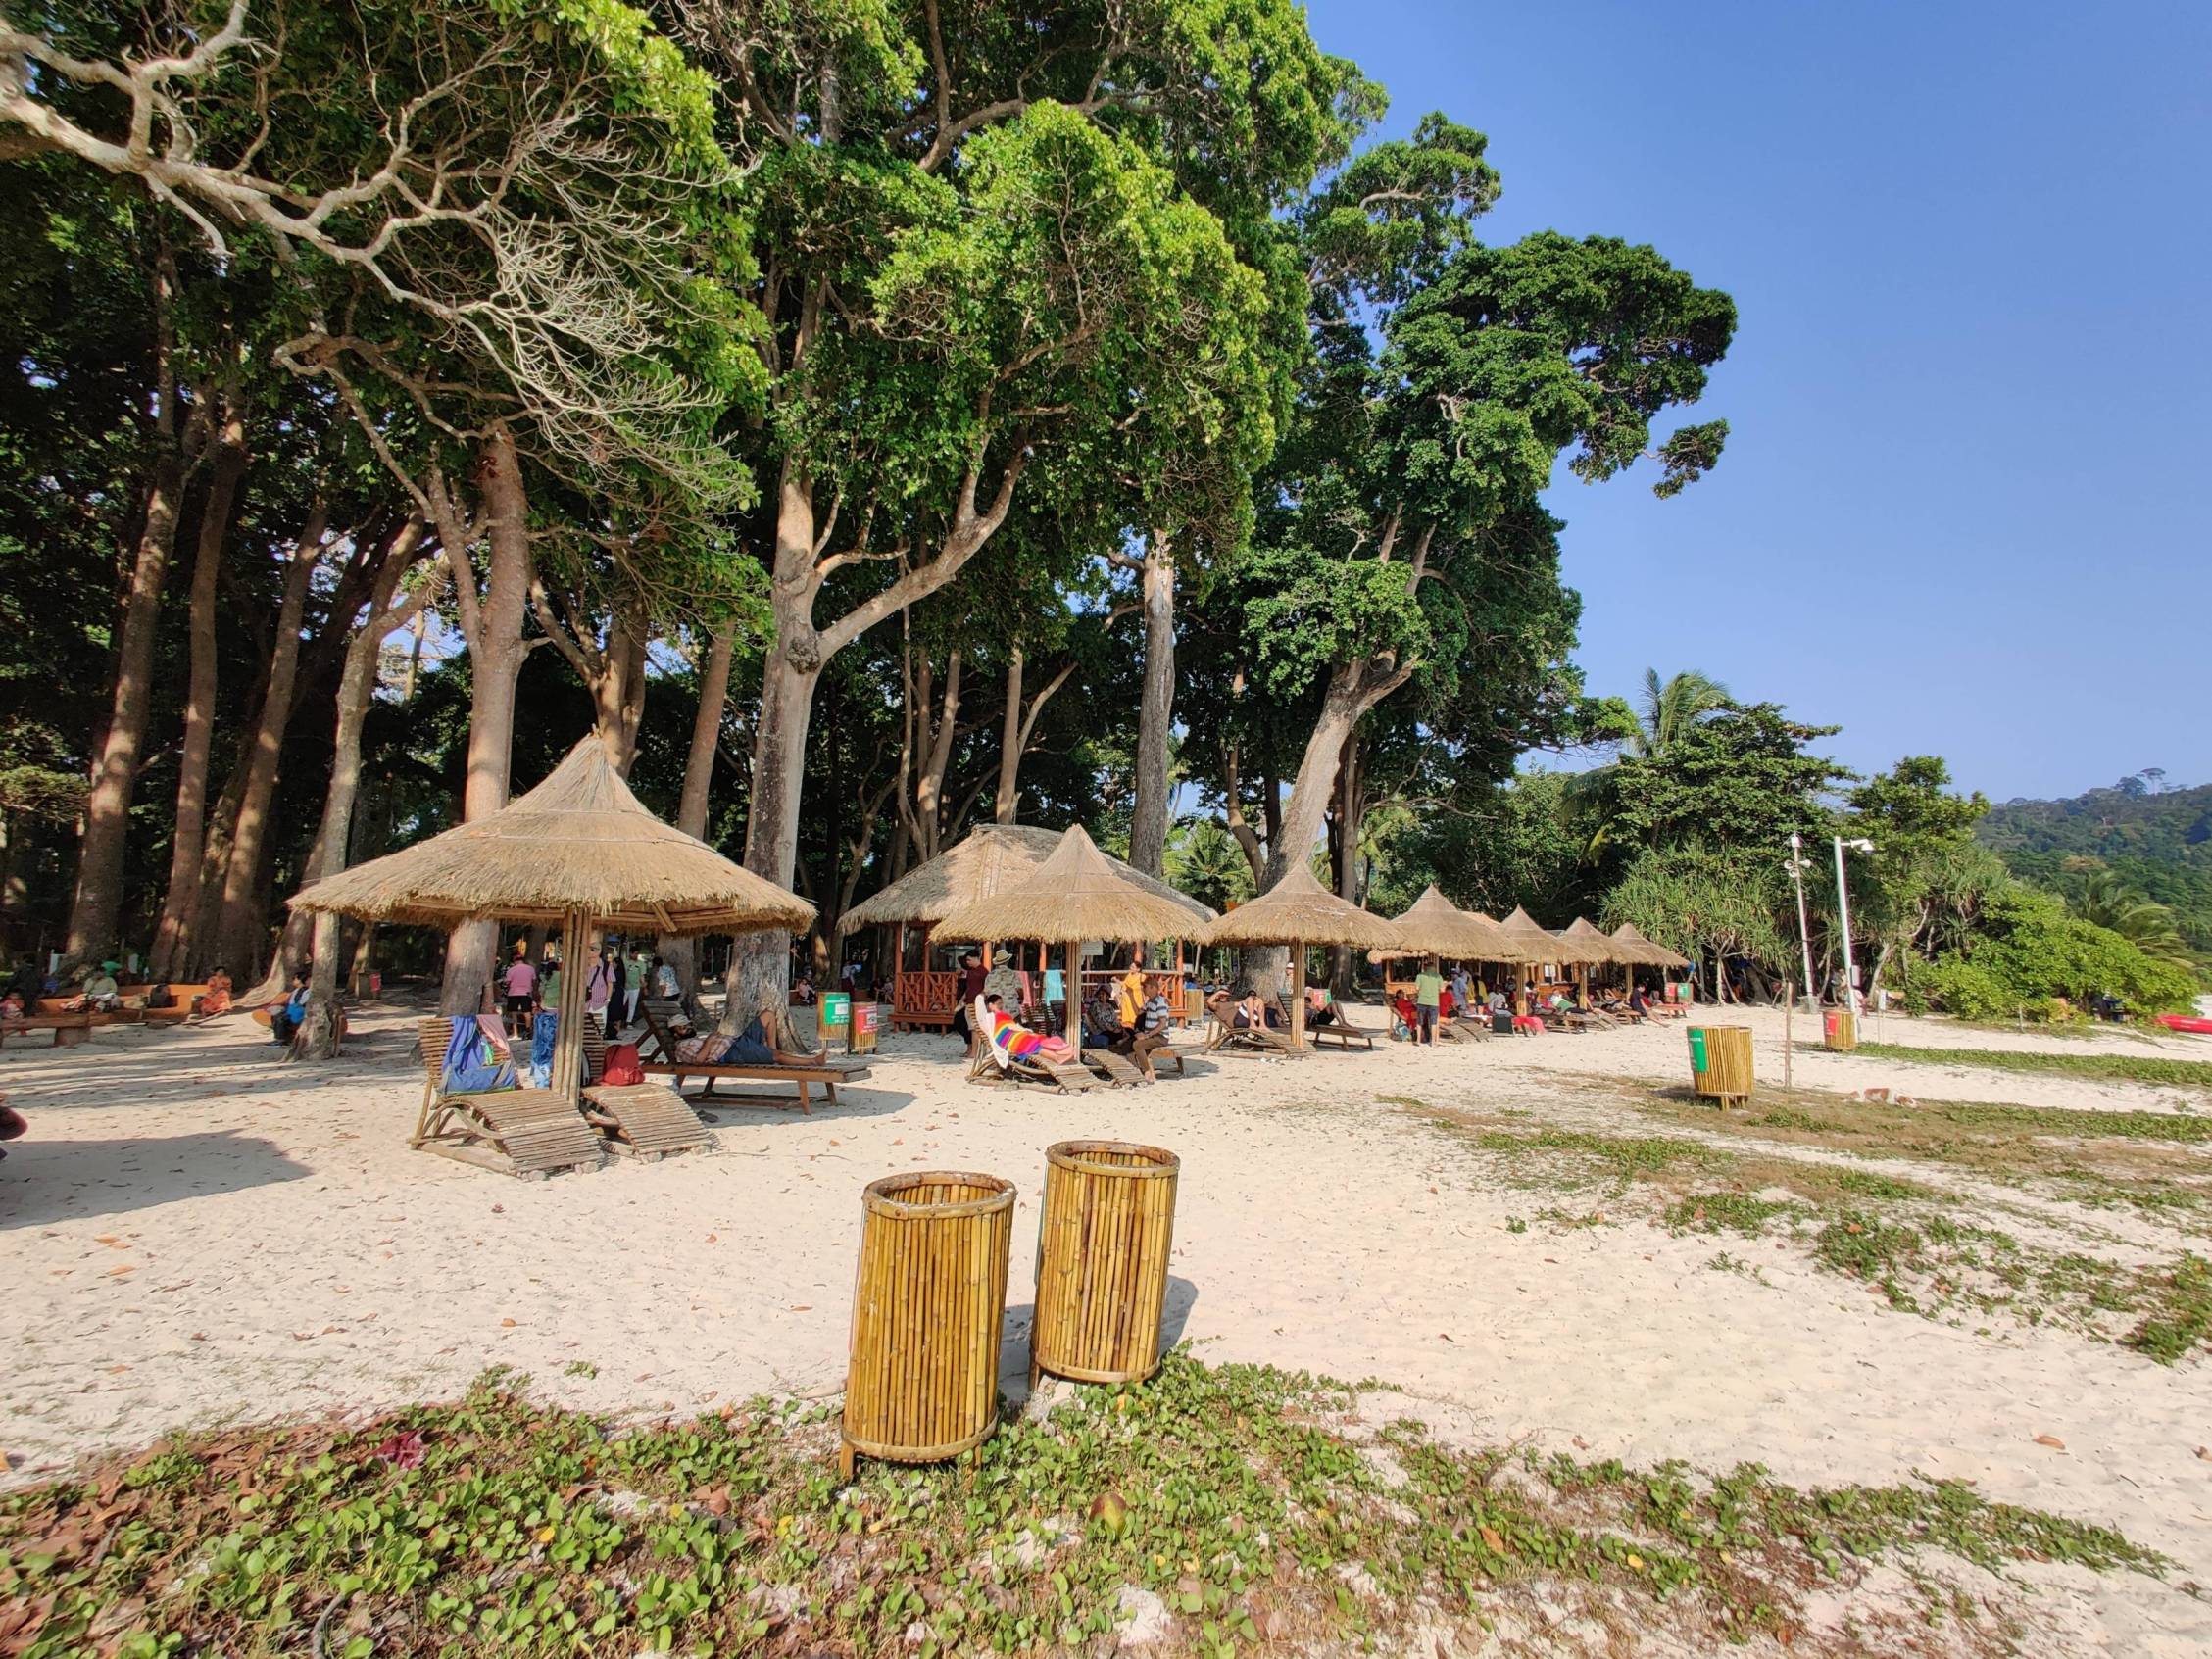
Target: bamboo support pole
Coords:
[[1073, 988], [568, 1035], [1298, 998]]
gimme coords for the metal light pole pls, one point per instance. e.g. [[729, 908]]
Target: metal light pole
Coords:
[[1843, 915], [1797, 866]]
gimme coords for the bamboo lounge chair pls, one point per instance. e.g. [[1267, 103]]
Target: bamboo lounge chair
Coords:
[[525, 1132], [647, 1121], [987, 1064], [659, 1017], [1339, 1033], [1225, 1038]]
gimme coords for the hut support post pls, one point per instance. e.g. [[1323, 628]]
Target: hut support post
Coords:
[[1074, 994], [568, 1037], [1298, 997]]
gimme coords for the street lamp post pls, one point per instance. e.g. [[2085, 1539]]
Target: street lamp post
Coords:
[[1844, 917], [1797, 866]]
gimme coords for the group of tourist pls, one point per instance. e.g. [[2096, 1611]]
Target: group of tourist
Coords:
[[613, 986]]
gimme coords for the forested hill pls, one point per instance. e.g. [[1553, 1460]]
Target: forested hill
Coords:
[[2158, 839]]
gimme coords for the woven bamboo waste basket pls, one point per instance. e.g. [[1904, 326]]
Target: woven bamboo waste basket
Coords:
[[1720, 1061], [1842, 1031], [1101, 1260], [928, 1299]]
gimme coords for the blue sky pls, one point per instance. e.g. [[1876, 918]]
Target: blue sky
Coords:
[[1964, 507]]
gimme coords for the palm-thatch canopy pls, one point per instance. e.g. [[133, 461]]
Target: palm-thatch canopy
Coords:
[[1630, 937], [1299, 911], [1433, 926], [1076, 892], [1545, 945], [1601, 944], [988, 859], [578, 843]]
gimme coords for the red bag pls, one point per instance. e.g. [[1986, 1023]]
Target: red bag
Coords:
[[623, 1066]]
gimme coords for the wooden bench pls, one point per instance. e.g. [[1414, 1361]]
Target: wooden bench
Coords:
[[69, 1029], [659, 1015], [57, 1007], [186, 1005]]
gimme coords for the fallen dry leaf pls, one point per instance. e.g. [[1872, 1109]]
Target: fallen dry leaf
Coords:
[[2052, 1440], [1495, 1543], [506, 1324], [119, 1271]]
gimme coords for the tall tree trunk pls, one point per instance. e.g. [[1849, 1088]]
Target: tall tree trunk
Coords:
[[1007, 799], [239, 921], [317, 1036], [1351, 815], [1147, 825], [96, 909], [759, 961], [683, 954], [492, 628], [929, 787], [180, 904]]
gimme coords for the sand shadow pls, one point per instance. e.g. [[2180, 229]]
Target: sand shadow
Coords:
[[47, 1181], [731, 1110], [1013, 1336]]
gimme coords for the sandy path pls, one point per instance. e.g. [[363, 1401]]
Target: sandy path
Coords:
[[200, 1233]]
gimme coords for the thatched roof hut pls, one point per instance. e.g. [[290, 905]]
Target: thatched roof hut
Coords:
[[1433, 926], [578, 844], [1299, 911], [1630, 937], [1545, 945], [1601, 946], [1076, 892], [990, 860], [577, 851]]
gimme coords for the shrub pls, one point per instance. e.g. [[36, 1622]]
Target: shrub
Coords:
[[1964, 990]]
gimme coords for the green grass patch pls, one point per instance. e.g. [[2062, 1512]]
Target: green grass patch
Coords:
[[1236, 1495], [1573, 1158], [1728, 1212], [2100, 1068], [2181, 1323]]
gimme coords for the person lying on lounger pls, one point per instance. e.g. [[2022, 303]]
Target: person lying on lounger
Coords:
[[759, 1044], [1015, 1040], [1254, 1013]]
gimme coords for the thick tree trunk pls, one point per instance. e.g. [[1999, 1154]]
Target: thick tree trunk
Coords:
[[1007, 799], [698, 779], [180, 904], [492, 626], [1350, 814], [1148, 827], [760, 961], [929, 787], [97, 908], [238, 920], [317, 1036]]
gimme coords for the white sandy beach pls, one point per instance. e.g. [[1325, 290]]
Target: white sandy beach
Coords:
[[199, 1232]]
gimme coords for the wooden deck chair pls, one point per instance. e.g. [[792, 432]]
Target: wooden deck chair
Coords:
[[1337, 1034], [660, 1017], [1223, 1038], [986, 1064], [525, 1132], [643, 1120]]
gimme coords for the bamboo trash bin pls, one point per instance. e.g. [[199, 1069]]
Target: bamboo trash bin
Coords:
[[928, 1299], [1103, 1245], [1841, 1031], [1720, 1061]]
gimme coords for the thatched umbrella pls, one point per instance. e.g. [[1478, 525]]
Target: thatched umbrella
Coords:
[[990, 858], [577, 851], [1299, 911], [1599, 947], [1545, 945], [1433, 926], [1629, 937], [1075, 895]]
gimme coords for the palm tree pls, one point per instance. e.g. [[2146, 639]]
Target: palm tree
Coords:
[[2108, 901], [1671, 708]]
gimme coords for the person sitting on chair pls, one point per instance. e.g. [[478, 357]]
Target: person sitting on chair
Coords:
[[1255, 1014], [1102, 1022], [286, 1017], [12, 1006], [1320, 1007], [100, 994]]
